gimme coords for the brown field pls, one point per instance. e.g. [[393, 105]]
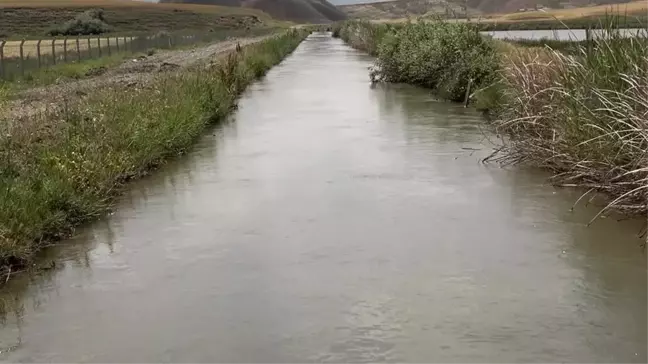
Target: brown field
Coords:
[[632, 8], [33, 18], [133, 5]]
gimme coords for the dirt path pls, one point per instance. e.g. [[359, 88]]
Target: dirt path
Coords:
[[133, 72]]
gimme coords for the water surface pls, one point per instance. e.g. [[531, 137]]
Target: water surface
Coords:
[[333, 221], [560, 34]]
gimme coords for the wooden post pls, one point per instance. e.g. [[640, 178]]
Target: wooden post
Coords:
[[54, 51], [22, 57], [467, 98], [89, 48], [108, 42], [99, 45], [2, 44], [126, 45], [78, 49], [38, 52], [65, 49], [117, 43]]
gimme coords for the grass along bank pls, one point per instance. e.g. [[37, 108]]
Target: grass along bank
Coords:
[[60, 170], [582, 114]]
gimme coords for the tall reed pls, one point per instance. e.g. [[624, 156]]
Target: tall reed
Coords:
[[582, 115]]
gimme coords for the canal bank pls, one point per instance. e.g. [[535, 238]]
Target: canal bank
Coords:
[[331, 221], [63, 167], [578, 112]]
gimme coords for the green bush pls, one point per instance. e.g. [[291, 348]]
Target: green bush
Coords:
[[90, 22], [443, 56]]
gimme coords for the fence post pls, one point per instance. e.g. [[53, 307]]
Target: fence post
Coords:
[[65, 49], [22, 57], [108, 42], [78, 50], [117, 43], [99, 45], [89, 48], [2, 44], [54, 51], [38, 52]]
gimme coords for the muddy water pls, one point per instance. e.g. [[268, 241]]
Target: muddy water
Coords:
[[332, 221]]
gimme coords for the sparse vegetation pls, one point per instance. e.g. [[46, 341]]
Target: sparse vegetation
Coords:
[[33, 18], [59, 170]]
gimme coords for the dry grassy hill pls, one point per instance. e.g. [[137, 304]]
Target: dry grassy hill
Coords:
[[36, 17], [398, 9], [302, 11], [635, 8], [523, 10]]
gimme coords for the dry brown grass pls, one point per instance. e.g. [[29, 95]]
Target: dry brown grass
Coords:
[[33, 18], [135, 5]]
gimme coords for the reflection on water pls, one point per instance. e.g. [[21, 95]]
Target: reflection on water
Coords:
[[333, 221]]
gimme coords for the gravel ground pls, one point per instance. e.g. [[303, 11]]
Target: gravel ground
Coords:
[[133, 72]]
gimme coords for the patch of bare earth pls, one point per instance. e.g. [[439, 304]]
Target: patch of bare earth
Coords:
[[134, 72]]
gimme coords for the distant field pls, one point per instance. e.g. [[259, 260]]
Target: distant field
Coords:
[[35, 17], [396, 9], [630, 15], [635, 8]]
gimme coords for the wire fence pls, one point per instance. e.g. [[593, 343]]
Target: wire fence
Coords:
[[19, 58]]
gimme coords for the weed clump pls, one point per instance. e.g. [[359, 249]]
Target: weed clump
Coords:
[[90, 22]]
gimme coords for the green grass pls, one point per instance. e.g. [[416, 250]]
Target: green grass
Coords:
[[60, 170], [69, 71]]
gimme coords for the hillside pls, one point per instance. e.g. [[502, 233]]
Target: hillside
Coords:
[[302, 11], [398, 9], [522, 9], [36, 17]]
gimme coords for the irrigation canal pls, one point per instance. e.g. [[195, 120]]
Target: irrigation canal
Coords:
[[329, 220]]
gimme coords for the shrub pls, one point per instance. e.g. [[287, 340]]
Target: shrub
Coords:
[[90, 22], [443, 56]]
